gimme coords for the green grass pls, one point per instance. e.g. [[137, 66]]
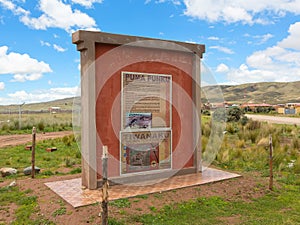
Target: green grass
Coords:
[[44, 122], [279, 207], [60, 211], [121, 203], [66, 156], [246, 148], [26, 205], [242, 150]]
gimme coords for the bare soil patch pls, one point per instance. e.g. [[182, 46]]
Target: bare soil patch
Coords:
[[19, 139]]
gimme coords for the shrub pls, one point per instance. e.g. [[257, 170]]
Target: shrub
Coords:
[[223, 156], [253, 125], [206, 112], [240, 144], [297, 166], [41, 126], [234, 114], [204, 141], [252, 135], [279, 156], [296, 144], [244, 120], [206, 129], [69, 162], [232, 128], [5, 127], [67, 140]]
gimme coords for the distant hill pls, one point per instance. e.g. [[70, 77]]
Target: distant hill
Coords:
[[269, 92], [64, 104]]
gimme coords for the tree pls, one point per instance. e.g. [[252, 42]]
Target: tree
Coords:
[[234, 114]]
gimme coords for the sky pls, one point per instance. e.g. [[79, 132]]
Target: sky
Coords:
[[246, 41]]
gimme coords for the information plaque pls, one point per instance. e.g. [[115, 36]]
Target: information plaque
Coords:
[[146, 122]]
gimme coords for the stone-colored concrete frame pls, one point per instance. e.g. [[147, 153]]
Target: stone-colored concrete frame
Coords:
[[86, 42]]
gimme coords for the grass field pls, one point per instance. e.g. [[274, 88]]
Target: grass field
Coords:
[[275, 208], [66, 158], [10, 123], [244, 150]]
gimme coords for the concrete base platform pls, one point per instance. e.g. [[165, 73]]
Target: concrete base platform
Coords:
[[72, 192]]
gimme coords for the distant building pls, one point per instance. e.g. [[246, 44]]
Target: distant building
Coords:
[[54, 109], [257, 108], [217, 105], [289, 108], [254, 106]]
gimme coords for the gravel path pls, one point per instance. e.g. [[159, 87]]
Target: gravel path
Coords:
[[275, 119], [19, 139]]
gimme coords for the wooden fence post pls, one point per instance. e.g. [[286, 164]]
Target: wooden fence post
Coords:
[[271, 164], [104, 213], [33, 152]]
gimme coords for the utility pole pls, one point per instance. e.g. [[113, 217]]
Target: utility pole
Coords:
[[33, 152], [271, 163], [20, 115]]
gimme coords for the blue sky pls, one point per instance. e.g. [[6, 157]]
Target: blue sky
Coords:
[[246, 41]]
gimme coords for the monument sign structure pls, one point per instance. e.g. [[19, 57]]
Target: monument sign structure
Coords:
[[140, 97]]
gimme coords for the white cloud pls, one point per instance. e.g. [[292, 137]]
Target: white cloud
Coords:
[[259, 39], [60, 15], [222, 68], [8, 4], [272, 64], [191, 42], [212, 38], [292, 41], [2, 86], [21, 65], [263, 38], [222, 49], [25, 77], [279, 63], [55, 14], [55, 46], [40, 95], [44, 43], [175, 2], [86, 3], [232, 11], [59, 48], [266, 37]]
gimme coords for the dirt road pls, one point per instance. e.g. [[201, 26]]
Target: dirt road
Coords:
[[19, 139], [275, 119]]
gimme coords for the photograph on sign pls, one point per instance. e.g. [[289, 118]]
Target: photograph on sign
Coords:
[[145, 151], [138, 120]]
